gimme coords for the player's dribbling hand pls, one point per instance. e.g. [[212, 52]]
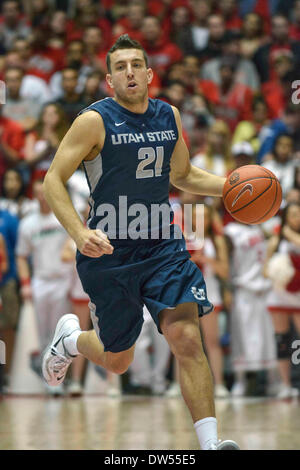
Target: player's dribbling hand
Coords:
[[94, 243]]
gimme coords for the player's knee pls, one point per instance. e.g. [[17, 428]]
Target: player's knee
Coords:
[[119, 369], [119, 365], [185, 340], [283, 343]]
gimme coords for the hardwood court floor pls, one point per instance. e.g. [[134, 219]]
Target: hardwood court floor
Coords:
[[141, 423]]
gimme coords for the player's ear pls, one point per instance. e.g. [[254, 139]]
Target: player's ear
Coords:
[[149, 75], [109, 80]]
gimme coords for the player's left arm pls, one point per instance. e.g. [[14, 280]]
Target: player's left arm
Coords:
[[187, 177]]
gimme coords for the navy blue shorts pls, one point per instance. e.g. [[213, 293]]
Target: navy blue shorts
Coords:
[[157, 273]]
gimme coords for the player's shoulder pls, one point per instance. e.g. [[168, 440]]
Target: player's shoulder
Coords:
[[159, 104], [89, 122], [164, 106], [96, 109]]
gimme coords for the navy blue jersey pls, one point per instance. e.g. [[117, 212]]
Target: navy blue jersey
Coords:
[[129, 179]]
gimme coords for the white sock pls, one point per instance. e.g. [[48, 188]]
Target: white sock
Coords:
[[70, 343], [206, 430]]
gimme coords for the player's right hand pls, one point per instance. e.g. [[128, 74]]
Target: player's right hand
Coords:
[[93, 243]]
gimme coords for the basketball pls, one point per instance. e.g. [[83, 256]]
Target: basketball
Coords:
[[252, 194]]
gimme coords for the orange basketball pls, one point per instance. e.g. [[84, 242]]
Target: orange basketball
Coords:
[[252, 194]]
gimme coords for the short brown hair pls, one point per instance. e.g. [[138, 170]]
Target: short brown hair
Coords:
[[125, 42]]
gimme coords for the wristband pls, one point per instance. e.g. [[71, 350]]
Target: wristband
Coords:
[[25, 282]]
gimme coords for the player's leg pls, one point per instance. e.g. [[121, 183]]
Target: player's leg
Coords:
[[91, 348], [110, 344], [180, 327], [69, 341]]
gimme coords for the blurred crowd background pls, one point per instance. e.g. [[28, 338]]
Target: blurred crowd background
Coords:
[[232, 68]]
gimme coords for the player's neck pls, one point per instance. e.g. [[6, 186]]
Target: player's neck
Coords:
[[138, 108]]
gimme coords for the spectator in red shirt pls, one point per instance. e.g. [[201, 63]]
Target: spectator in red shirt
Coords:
[[41, 144], [43, 61], [131, 23], [231, 101], [161, 54], [11, 144], [294, 32], [85, 16], [94, 48], [279, 44], [162, 9], [277, 92], [228, 9]]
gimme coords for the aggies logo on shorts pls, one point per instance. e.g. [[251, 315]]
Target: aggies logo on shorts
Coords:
[[198, 293]]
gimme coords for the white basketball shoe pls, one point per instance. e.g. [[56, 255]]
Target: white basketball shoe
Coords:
[[56, 358], [225, 445]]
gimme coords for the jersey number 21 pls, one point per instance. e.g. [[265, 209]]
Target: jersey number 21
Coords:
[[148, 155]]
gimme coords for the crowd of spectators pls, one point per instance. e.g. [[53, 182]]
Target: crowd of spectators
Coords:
[[231, 67]]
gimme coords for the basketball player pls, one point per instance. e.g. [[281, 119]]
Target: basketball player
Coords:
[[131, 146]]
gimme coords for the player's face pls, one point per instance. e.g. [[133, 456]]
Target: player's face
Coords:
[[129, 75]]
